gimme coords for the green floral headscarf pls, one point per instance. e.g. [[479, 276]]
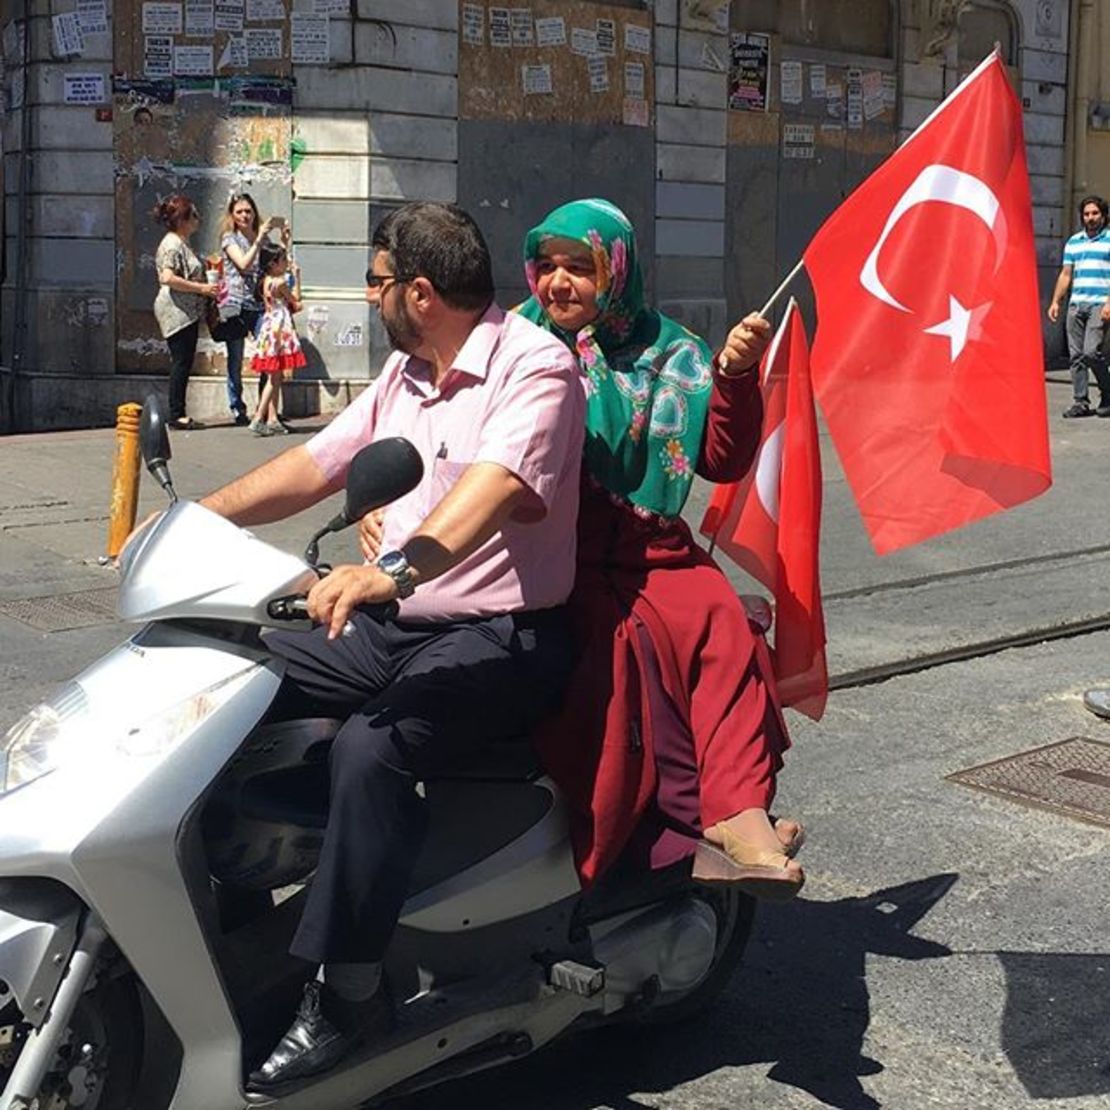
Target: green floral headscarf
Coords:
[[648, 378]]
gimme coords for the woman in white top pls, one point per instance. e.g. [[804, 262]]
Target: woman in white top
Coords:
[[242, 233], [179, 305]]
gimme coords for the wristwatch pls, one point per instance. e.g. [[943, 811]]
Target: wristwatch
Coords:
[[396, 565]]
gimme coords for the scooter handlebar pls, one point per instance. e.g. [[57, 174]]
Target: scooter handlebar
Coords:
[[295, 608]]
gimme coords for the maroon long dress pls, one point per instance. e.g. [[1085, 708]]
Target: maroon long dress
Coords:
[[671, 721]]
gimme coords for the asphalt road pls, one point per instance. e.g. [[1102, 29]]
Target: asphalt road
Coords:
[[950, 948]]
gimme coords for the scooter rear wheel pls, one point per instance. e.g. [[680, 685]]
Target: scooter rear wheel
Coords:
[[735, 918]]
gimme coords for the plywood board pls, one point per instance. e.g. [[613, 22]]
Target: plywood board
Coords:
[[493, 78]]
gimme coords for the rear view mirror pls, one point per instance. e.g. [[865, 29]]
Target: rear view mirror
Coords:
[[154, 441]]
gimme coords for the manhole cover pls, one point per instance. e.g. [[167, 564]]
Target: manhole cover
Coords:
[[1071, 777], [64, 611]]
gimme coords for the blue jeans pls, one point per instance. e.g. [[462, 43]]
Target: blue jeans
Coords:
[[235, 348]]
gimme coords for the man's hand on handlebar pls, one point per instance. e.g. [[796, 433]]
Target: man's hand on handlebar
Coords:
[[370, 529], [332, 600]]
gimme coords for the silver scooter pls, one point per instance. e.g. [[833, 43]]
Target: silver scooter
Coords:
[[156, 833]]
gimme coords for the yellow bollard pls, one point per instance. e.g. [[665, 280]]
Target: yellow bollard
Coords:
[[125, 477]]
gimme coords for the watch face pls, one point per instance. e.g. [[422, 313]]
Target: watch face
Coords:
[[392, 561]]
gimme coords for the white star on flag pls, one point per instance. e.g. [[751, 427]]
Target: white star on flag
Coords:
[[962, 324]]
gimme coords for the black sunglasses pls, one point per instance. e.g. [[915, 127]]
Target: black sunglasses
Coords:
[[376, 281]]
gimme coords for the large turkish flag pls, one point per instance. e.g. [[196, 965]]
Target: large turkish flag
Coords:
[[770, 522], [927, 360]]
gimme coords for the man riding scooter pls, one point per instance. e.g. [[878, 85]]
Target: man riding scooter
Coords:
[[478, 559]]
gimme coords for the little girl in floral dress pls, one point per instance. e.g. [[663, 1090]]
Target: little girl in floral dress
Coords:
[[277, 347]]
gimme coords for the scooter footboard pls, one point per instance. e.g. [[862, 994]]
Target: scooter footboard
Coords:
[[39, 921]]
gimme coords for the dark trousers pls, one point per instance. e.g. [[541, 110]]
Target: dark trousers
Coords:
[[183, 348], [1087, 340], [416, 698]]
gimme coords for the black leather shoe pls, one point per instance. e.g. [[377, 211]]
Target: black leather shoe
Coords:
[[325, 1030]]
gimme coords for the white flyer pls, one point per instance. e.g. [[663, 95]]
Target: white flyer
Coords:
[[229, 16], [551, 31], [92, 15], [234, 55], [791, 74], [309, 38], [83, 88], [536, 80], [263, 42], [500, 27], [583, 41], [68, 40], [192, 61], [607, 37], [818, 80], [634, 80], [520, 23], [157, 56], [890, 90], [474, 24], [200, 18], [637, 39], [160, 18], [598, 69], [265, 11], [332, 7], [350, 336], [798, 140], [636, 113]]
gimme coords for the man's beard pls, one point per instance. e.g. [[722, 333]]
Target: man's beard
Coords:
[[403, 334]]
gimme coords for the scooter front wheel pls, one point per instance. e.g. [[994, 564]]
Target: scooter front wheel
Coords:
[[97, 1065]]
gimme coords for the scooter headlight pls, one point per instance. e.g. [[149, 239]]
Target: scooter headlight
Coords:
[[31, 747], [67, 728]]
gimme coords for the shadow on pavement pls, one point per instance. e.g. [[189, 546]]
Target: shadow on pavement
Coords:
[[1056, 1023], [799, 1003]]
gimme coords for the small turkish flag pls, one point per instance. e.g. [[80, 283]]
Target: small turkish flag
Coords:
[[770, 523], [927, 360]]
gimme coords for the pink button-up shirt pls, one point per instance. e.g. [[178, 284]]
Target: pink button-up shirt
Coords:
[[513, 396]]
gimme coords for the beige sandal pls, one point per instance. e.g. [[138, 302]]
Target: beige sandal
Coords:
[[760, 872]]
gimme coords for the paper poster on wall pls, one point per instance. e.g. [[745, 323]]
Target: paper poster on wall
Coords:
[[500, 27], [234, 55], [263, 42], [309, 38], [834, 100], [68, 40], [83, 88], [818, 80], [317, 316], [791, 74], [92, 16], [634, 79], [551, 31], [607, 37], [192, 61], [855, 99], [797, 140], [157, 56], [536, 80], [350, 336], [265, 11], [749, 67], [473, 24], [160, 18], [636, 112], [890, 90], [200, 19], [583, 41], [229, 15], [332, 7], [598, 69], [520, 24], [872, 86], [637, 39]]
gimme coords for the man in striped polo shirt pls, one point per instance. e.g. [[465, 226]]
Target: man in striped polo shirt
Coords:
[[1086, 271]]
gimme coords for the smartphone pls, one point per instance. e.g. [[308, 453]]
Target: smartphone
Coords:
[[277, 222]]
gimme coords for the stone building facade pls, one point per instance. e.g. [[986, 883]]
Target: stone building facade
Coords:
[[727, 131]]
